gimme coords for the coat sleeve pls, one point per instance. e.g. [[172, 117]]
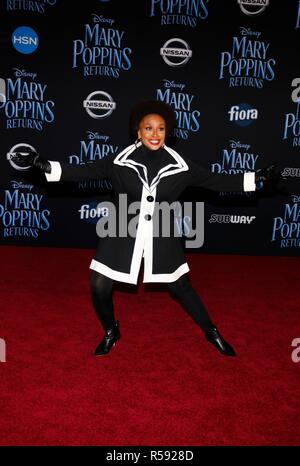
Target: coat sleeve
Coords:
[[64, 172], [289, 185], [200, 177]]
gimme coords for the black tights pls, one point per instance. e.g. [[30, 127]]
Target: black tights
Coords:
[[181, 289], [102, 299]]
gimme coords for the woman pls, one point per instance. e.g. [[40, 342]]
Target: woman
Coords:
[[151, 173]]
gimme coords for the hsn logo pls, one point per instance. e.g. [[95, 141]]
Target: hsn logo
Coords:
[[25, 40]]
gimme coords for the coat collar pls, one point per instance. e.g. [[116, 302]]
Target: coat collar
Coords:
[[124, 160]]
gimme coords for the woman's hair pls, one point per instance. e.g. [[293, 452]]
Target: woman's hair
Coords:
[[146, 107]]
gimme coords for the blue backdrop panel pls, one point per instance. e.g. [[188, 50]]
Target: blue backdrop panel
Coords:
[[71, 71]]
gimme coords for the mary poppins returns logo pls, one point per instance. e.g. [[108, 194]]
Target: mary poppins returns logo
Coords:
[[247, 63], [286, 226], [32, 6], [102, 50], [183, 13], [185, 106], [25, 102], [22, 212]]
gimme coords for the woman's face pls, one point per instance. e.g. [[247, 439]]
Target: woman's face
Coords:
[[152, 131]]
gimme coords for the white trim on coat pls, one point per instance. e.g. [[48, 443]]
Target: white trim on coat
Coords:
[[249, 181], [111, 273], [170, 169], [128, 278], [143, 247], [55, 174], [167, 277]]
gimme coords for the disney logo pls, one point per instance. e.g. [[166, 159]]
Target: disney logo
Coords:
[[295, 198], [238, 145], [249, 32], [101, 19], [24, 74], [20, 185], [91, 135], [169, 84]]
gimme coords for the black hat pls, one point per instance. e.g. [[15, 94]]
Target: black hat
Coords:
[[145, 107]]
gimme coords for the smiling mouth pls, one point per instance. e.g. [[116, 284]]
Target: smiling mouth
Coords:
[[154, 142]]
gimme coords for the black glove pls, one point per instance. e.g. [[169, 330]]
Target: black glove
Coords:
[[270, 175], [34, 160]]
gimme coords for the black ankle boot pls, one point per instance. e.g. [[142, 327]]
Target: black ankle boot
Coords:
[[214, 337], [112, 335]]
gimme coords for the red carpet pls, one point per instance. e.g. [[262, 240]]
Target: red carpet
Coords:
[[162, 384]]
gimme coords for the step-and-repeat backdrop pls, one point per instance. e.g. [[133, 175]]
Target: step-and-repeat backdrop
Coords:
[[72, 70]]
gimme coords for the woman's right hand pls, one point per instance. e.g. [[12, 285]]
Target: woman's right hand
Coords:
[[33, 159]]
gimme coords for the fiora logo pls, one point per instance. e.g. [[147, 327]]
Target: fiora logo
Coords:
[[92, 212], [253, 7], [243, 114], [101, 107], [25, 40], [176, 52]]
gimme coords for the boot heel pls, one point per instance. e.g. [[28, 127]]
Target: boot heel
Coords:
[[214, 337], [109, 341]]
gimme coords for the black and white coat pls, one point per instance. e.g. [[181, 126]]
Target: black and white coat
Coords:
[[120, 257]]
